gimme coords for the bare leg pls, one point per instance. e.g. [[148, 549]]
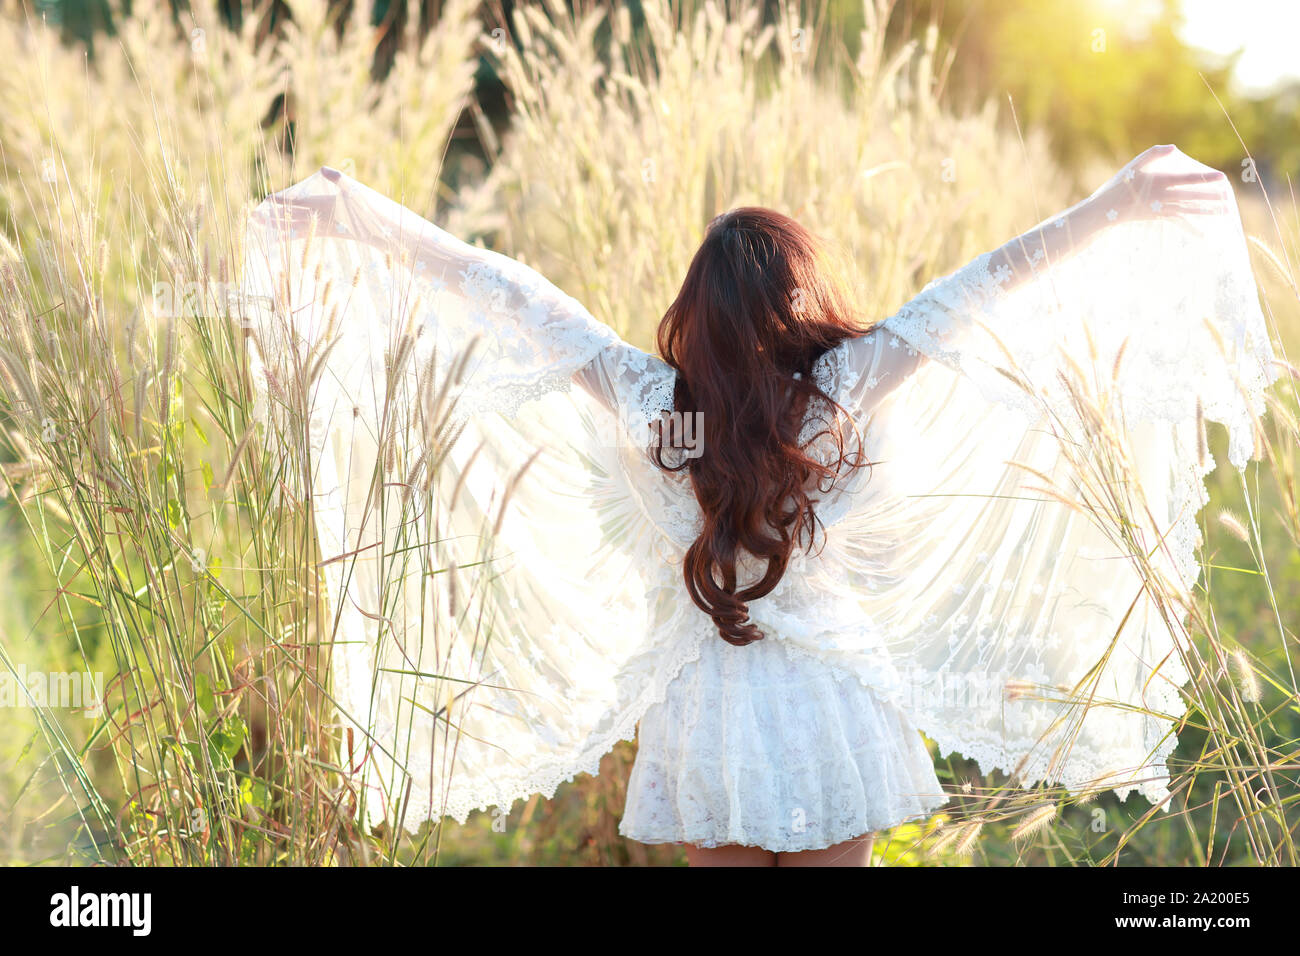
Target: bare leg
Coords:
[[849, 853], [730, 854]]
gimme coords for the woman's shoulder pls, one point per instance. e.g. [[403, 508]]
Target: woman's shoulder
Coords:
[[838, 368]]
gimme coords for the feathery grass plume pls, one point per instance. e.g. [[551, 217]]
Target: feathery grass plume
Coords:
[[308, 243], [1232, 524], [1201, 443], [1246, 678], [969, 834], [1288, 368], [511, 486], [1034, 821], [1283, 415], [323, 350], [1273, 260], [1016, 689], [463, 472], [413, 476], [235, 457], [23, 386], [1088, 795], [1119, 359], [389, 450], [946, 835]]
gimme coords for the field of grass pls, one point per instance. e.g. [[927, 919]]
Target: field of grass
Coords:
[[152, 531]]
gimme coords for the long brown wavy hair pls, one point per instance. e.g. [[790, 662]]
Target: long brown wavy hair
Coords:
[[759, 305]]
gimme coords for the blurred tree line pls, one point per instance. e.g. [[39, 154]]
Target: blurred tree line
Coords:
[[1105, 79], [84, 21]]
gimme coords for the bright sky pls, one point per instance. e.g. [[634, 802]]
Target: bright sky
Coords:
[[1267, 30]]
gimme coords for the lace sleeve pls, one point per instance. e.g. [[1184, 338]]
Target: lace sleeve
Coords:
[[1146, 285], [485, 544], [502, 331], [861, 372], [1038, 462]]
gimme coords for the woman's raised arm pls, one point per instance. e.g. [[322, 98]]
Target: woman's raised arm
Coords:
[[506, 331], [1159, 183], [1145, 288]]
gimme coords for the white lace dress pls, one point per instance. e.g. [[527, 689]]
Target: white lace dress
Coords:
[[504, 572]]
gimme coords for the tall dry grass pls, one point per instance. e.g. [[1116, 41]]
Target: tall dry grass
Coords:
[[155, 532], [172, 536], [623, 145]]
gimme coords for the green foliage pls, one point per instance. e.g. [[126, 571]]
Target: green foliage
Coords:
[[1106, 80]]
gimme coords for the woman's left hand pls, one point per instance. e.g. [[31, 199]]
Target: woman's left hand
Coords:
[[1165, 182]]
